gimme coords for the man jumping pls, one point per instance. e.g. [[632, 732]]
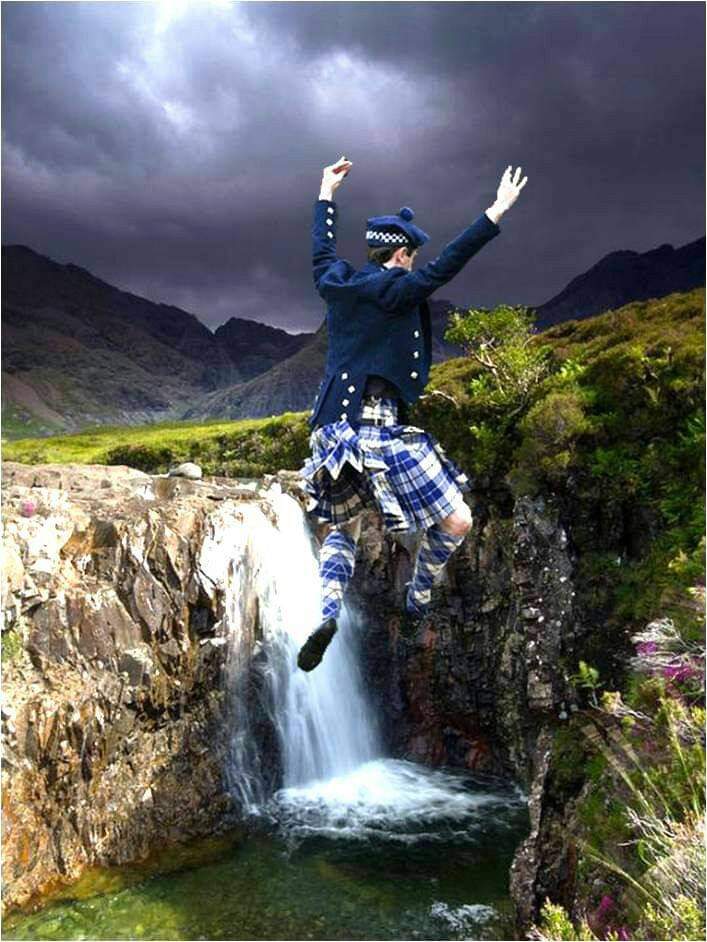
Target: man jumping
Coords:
[[378, 361]]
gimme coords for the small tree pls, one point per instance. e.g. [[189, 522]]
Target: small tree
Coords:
[[501, 342]]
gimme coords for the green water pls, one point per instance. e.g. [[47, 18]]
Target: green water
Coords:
[[255, 884]]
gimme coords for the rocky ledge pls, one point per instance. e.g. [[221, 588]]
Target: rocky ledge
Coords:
[[112, 706]]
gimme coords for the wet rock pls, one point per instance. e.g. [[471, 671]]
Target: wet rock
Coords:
[[111, 586], [138, 665], [484, 686]]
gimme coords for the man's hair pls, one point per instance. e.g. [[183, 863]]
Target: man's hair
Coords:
[[384, 253]]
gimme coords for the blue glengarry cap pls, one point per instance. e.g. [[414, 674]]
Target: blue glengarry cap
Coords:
[[390, 231]]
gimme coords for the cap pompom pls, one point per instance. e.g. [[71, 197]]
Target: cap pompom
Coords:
[[406, 213]]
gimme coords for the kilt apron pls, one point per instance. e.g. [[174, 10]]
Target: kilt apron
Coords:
[[400, 470]]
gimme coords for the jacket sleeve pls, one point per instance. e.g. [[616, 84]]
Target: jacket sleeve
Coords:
[[328, 270], [400, 288]]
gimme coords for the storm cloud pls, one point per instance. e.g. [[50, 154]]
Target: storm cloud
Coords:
[[175, 149]]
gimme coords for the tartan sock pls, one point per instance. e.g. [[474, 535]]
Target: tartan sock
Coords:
[[336, 565], [435, 549]]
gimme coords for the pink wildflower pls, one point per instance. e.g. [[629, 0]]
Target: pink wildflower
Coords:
[[679, 671], [27, 508], [605, 905]]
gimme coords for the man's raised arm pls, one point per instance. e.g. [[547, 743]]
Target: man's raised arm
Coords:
[[400, 289], [324, 223]]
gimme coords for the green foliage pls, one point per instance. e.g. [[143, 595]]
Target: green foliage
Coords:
[[500, 341], [10, 646], [687, 922], [588, 678], [243, 448], [550, 431], [639, 818], [556, 924]]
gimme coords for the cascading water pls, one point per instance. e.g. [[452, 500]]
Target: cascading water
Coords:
[[323, 722], [335, 779]]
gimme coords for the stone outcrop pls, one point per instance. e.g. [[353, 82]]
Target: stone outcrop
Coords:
[[112, 706], [482, 683]]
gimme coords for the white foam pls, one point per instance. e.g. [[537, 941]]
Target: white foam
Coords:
[[391, 799], [461, 918]]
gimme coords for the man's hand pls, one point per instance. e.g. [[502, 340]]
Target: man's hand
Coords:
[[507, 193], [331, 180]]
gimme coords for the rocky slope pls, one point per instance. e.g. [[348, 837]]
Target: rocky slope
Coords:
[[78, 351], [112, 706], [625, 276]]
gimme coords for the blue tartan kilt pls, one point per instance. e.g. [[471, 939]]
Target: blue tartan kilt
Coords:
[[400, 470]]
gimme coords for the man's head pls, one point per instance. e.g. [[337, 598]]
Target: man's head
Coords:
[[393, 241], [402, 256]]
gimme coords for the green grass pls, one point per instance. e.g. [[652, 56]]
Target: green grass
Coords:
[[236, 448]]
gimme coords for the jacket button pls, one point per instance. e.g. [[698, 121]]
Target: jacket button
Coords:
[[416, 333], [352, 389], [330, 234], [414, 374], [344, 402], [416, 353], [344, 375], [330, 222], [343, 415], [330, 209]]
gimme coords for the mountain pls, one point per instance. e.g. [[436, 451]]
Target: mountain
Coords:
[[77, 351], [254, 347], [625, 276]]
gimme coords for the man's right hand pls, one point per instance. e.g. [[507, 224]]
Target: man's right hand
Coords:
[[331, 181]]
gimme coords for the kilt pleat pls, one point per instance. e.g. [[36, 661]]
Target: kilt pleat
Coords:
[[400, 470]]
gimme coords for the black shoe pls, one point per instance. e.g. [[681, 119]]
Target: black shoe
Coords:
[[312, 651]]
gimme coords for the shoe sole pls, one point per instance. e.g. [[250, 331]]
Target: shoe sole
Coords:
[[312, 651]]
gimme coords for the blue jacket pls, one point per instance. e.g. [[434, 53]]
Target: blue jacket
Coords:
[[378, 319]]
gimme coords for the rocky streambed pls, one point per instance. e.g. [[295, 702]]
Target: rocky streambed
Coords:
[[113, 707]]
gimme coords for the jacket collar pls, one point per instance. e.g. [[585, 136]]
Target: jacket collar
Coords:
[[373, 266]]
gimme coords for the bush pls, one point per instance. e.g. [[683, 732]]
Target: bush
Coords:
[[548, 448]]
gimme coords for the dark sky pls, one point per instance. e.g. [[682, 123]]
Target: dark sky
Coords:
[[175, 149]]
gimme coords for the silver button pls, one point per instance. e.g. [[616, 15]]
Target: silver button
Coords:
[[344, 375], [414, 374], [330, 234], [344, 402], [416, 333], [343, 415], [330, 222], [330, 209], [352, 389], [416, 353]]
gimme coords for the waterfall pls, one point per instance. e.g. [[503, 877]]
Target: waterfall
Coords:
[[332, 778], [323, 721]]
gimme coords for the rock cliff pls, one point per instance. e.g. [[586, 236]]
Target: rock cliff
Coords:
[[113, 594]]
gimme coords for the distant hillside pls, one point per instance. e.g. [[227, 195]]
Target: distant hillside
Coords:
[[77, 351], [255, 348], [625, 276]]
